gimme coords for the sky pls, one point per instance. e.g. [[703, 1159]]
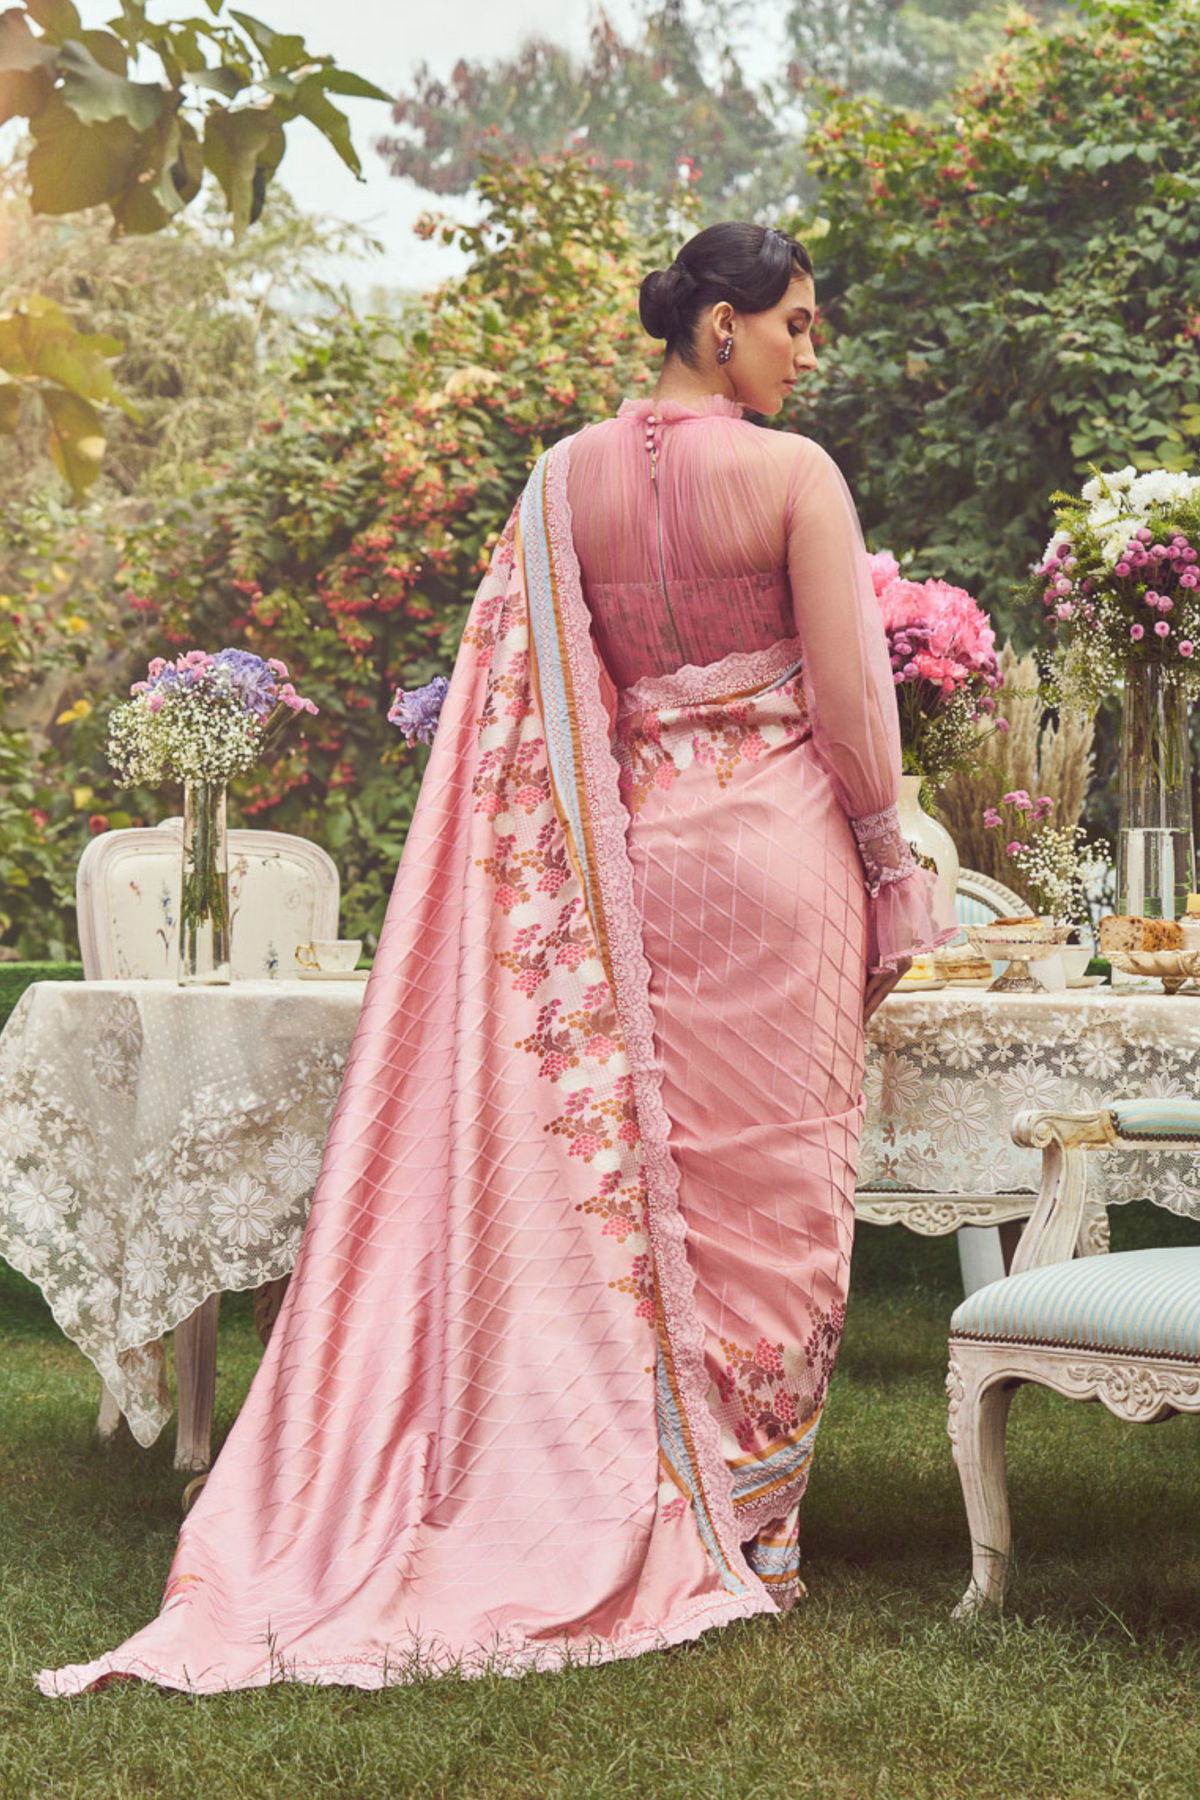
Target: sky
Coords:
[[385, 40]]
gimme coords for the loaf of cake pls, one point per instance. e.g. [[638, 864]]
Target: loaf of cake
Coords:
[[1117, 933]]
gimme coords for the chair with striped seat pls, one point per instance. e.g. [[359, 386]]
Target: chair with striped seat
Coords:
[[1123, 1329]]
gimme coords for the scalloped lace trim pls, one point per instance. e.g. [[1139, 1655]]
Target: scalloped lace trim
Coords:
[[886, 853], [693, 683], [631, 976]]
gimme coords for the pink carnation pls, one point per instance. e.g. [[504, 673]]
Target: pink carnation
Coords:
[[1019, 798], [1186, 648], [1012, 848], [991, 816]]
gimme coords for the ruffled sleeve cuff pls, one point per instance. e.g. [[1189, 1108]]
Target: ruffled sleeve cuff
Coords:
[[909, 911]]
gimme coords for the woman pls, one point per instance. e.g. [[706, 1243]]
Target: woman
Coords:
[[550, 1368]]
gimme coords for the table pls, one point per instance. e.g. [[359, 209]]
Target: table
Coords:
[[947, 1070], [159, 1145]]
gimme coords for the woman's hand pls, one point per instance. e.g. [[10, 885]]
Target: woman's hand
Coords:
[[880, 986]]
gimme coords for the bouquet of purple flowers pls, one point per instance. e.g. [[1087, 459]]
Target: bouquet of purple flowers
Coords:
[[202, 718]]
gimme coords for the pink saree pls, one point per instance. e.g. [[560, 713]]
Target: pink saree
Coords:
[[550, 1369]]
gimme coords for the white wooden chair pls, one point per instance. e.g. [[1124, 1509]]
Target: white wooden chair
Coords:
[[284, 891], [1123, 1329], [975, 1217]]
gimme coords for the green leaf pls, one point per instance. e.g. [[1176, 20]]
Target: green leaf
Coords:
[[10, 403], [20, 51], [278, 51], [108, 51], [95, 95], [26, 69], [312, 105], [76, 438], [73, 165], [344, 81], [242, 147], [224, 80], [168, 175], [58, 18]]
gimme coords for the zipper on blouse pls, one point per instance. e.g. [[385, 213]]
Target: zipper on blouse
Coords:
[[652, 447]]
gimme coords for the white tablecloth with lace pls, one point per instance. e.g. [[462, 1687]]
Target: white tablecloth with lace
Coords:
[[160, 1144], [947, 1070]]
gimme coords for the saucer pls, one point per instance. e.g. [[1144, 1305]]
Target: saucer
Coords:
[[1088, 981], [332, 974], [918, 987]]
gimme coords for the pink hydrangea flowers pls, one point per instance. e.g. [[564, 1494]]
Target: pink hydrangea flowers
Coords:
[[943, 654]]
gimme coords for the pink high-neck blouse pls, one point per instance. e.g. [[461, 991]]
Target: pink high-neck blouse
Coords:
[[750, 538]]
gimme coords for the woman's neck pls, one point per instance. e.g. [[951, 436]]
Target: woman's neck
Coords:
[[689, 387]]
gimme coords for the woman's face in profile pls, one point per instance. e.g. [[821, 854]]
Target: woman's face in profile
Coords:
[[773, 349]]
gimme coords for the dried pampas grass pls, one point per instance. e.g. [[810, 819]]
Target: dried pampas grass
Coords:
[[1036, 754]]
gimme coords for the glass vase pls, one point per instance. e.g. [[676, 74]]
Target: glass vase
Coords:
[[204, 903], [1155, 850]]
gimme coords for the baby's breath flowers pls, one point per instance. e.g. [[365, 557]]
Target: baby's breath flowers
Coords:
[[1055, 861], [1120, 582], [202, 718]]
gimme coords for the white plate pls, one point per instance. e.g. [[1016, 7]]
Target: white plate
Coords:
[[904, 986], [972, 981], [332, 974], [1088, 981]]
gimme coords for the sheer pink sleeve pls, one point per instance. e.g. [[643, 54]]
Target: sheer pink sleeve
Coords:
[[851, 699]]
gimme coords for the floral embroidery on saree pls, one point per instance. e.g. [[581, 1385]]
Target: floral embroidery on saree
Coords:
[[654, 748], [579, 1047]]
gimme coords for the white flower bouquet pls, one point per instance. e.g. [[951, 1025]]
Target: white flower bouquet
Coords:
[[1120, 581]]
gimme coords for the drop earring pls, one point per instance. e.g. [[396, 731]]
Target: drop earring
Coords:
[[725, 351]]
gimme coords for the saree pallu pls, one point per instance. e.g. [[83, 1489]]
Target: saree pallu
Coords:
[[547, 1378]]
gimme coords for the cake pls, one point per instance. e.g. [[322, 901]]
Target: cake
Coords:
[[1120, 933]]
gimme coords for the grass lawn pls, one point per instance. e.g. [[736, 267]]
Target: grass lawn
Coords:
[[1087, 1687]]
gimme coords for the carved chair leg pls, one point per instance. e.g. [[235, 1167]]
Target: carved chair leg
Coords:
[[109, 1416], [268, 1298], [196, 1381], [979, 1403]]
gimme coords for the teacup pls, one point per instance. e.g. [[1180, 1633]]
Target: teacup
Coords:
[[332, 956], [1075, 959]]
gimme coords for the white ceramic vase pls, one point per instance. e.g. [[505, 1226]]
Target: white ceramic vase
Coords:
[[931, 843]]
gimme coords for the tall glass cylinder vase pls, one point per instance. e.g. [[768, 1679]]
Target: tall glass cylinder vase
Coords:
[[1155, 848], [204, 907]]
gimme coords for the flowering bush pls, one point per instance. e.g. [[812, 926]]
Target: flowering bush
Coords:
[[1120, 581], [944, 667], [1055, 861], [1007, 286], [202, 718], [347, 537]]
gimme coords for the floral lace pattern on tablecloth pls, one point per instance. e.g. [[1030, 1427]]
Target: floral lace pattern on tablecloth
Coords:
[[151, 1157], [947, 1071]]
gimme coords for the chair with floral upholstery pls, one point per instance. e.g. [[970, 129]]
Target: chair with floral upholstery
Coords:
[[284, 891], [1123, 1329]]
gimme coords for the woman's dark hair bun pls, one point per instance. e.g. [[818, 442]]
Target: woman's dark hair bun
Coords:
[[750, 266], [662, 297]]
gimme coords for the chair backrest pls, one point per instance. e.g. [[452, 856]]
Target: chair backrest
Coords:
[[283, 891], [980, 898]]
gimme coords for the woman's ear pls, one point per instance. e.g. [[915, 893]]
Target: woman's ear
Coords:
[[722, 320]]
